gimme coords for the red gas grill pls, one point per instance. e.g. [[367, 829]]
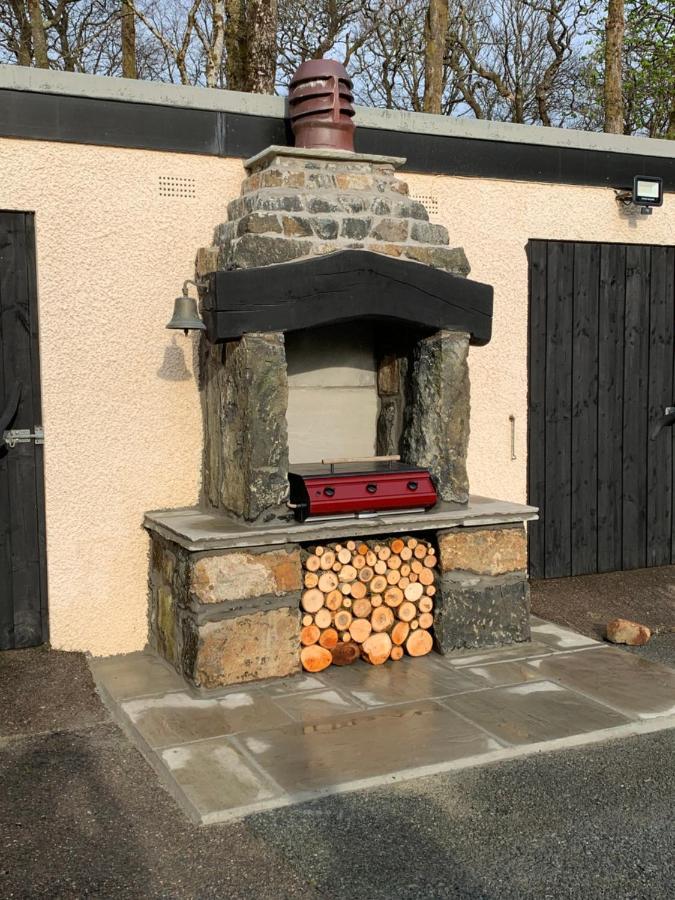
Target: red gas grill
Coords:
[[353, 487]]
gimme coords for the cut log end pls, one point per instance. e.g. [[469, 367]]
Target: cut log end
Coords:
[[315, 658], [345, 654], [419, 643], [377, 648]]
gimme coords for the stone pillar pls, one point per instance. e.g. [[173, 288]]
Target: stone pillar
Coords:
[[483, 598], [246, 444], [436, 426]]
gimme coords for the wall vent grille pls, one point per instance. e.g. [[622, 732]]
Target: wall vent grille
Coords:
[[174, 186], [429, 201]]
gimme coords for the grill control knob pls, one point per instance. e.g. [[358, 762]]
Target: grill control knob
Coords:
[[329, 491], [371, 488], [412, 485]]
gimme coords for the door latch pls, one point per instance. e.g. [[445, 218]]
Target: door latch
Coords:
[[24, 436], [666, 421]]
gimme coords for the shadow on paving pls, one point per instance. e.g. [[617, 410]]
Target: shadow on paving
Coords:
[[586, 823], [82, 815], [587, 603], [45, 690]]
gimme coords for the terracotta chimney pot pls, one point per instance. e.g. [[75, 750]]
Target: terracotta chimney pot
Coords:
[[320, 102]]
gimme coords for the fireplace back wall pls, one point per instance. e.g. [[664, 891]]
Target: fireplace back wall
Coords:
[[333, 403]]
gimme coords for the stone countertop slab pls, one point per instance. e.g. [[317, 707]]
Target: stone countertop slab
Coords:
[[197, 529], [328, 155]]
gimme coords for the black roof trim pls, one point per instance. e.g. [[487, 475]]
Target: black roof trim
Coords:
[[87, 120]]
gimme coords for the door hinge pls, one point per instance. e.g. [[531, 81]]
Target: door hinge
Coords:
[[24, 436]]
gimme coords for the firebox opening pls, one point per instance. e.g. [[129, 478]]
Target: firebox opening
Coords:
[[333, 403]]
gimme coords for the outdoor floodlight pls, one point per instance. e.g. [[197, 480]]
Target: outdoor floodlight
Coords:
[[647, 192]]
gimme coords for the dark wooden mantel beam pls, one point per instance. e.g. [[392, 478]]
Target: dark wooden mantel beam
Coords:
[[344, 286]]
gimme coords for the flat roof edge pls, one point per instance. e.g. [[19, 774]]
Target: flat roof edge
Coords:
[[126, 90]]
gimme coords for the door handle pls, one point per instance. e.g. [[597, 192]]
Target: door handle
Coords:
[[667, 420], [11, 407]]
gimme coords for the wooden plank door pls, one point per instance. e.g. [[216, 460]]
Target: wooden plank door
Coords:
[[23, 590], [601, 374]]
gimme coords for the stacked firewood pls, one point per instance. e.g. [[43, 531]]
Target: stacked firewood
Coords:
[[372, 600]]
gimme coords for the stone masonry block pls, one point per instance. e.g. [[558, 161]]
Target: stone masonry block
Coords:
[[245, 648], [351, 182], [353, 203], [451, 259], [325, 228], [265, 250], [273, 200], [387, 249], [355, 228], [382, 206], [297, 226], [390, 230], [475, 611], [206, 261], [258, 223], [319, 205], [484, 551], [428, 233], [410, 209], [229, 576]]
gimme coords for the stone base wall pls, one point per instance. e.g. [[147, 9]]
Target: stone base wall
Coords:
[[225, 617], [231, 616], [484, 589]]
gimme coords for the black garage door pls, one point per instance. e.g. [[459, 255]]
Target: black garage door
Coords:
[[601, 375], [23, 582]]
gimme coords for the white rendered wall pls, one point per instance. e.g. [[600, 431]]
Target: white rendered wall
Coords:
[[121, 407]]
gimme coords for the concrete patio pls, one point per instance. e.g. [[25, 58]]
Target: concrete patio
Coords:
[[253, 747]]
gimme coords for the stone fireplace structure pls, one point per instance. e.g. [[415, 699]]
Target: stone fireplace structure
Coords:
[[321, 240]]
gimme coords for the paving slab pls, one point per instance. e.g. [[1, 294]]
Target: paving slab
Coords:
[[294, 684], [215, 776], [634, 686], [317, 706], [535, 711], [351, 749], [135, 675], [502, 673], [179, 717], [230, 753], [558, 638], [524, 650], [403, 682]]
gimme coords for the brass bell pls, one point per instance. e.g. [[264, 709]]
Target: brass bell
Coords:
[[185, 313]]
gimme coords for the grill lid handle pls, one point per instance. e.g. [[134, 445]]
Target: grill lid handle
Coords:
[[358, 459]]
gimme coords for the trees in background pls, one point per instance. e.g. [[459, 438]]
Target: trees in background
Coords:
[[612, 88], [584, 63], [644, 100]]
